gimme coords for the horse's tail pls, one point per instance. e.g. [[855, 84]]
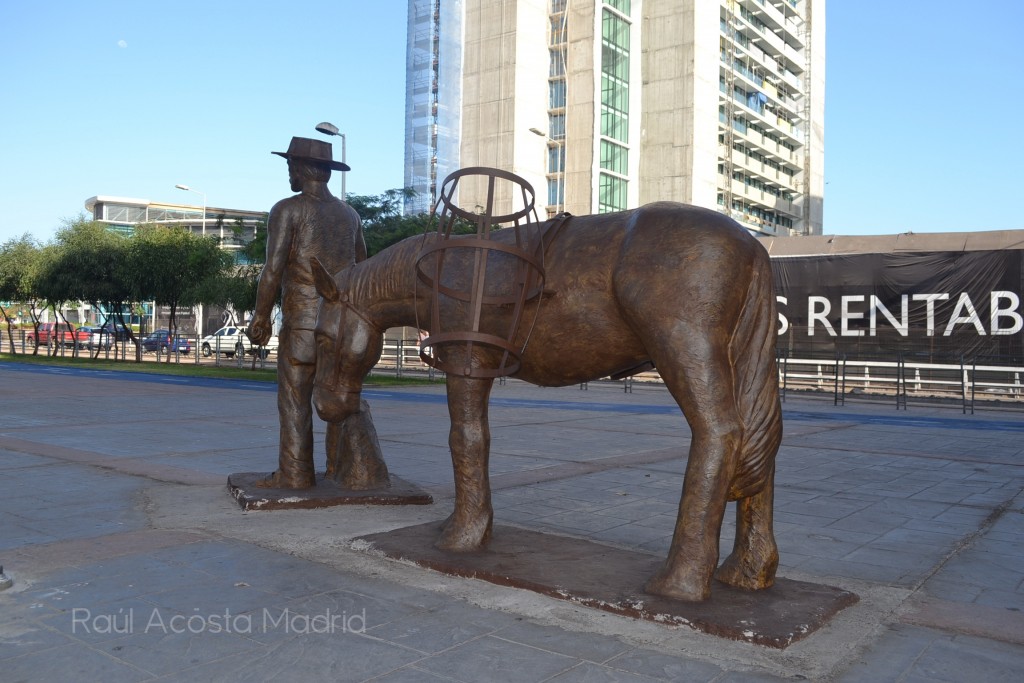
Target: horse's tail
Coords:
[[756, 379]]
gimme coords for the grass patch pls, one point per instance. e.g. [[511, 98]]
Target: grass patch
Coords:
[[188, 368]]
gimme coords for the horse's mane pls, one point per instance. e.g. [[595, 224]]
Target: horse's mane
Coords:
[[387, 275]]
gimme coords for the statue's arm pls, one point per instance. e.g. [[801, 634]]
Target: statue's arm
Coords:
[[279, 239]]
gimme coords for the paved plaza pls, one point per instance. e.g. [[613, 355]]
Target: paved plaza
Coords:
[[130, 561]]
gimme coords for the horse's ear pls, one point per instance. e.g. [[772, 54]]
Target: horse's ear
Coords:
[[324, 281]]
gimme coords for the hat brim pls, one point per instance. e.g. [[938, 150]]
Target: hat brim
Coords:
[[333, 165]]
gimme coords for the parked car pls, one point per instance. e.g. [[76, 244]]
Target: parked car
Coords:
[[232, 340], [49, 334], [114, 331], [97, 338], [164, 342]]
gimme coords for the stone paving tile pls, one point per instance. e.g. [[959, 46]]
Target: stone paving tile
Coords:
[[10, 460], [587, 646], [862, 571], [751, 677], [491, 658], [219, 463], [172, 647], [21, 635], [100, 621], [435, 630], [304, 657], [664, 667], [352, 612], [410, 674], [911, 653], [639, 508], [215, 597], [914, 538], [115, 580], [655, 541], [586, 523], [586, 672], [501, 463], [72, 662], [17, 535], [1003, 599], [814, 545], [983, 569]]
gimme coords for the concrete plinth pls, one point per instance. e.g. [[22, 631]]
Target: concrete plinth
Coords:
[[612, 579], [327, 493]]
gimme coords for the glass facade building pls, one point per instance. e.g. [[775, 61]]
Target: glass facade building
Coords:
[[233, 227]]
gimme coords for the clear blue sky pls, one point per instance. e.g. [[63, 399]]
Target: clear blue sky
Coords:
[[129, 98]]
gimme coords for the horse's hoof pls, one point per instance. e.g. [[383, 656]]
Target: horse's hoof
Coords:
[[276, 480], [738, 574], [457, 544], [458, 538], [666, 586]]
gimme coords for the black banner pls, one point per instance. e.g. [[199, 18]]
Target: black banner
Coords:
[[943, 305]]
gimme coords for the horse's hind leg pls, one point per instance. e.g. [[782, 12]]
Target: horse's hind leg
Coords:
[[755, 556], [469, 526], [696, 371]]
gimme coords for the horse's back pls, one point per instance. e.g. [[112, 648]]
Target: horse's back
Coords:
[[681, 237], [614, 279]]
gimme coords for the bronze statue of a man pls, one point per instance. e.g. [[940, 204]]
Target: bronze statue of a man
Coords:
[[311, 224]]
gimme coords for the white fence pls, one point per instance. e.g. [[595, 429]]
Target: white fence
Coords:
[[966, 381]]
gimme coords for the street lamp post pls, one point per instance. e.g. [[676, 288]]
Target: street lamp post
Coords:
[[199, 308], [559, 172], [331, 129], [189, 189]]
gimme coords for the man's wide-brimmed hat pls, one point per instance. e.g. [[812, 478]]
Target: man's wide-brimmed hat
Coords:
[[314, 152]]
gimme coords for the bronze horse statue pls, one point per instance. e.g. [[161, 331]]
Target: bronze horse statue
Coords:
[[683, 288]]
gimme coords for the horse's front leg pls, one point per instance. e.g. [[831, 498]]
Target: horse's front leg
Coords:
[[469, 527]]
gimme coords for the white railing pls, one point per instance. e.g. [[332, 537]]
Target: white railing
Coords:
[[966, 381], [902, 378]]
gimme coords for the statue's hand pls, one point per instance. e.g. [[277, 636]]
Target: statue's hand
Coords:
[[259, 331]]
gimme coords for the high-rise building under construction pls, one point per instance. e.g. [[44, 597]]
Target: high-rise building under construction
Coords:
[[604, 105]]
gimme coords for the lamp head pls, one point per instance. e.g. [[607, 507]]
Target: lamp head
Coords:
[[327, 128]]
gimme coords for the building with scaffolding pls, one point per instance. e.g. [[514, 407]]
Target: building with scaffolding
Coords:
[[604, 105], [433, 98]]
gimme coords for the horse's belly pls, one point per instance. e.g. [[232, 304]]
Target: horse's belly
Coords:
[[568, 348]]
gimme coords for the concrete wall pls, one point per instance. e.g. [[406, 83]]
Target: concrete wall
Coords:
[[504, 94], [680, 102]]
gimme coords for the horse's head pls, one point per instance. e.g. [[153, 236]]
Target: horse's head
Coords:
[[348, 345]]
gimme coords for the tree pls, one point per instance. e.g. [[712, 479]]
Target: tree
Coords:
[[18, 260], [255, 251], [237, 288], [384, 224], [92, 259], [173, 267], [57, 283]]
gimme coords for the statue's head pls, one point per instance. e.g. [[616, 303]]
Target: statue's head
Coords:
[[301, 171], [310, 159]]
